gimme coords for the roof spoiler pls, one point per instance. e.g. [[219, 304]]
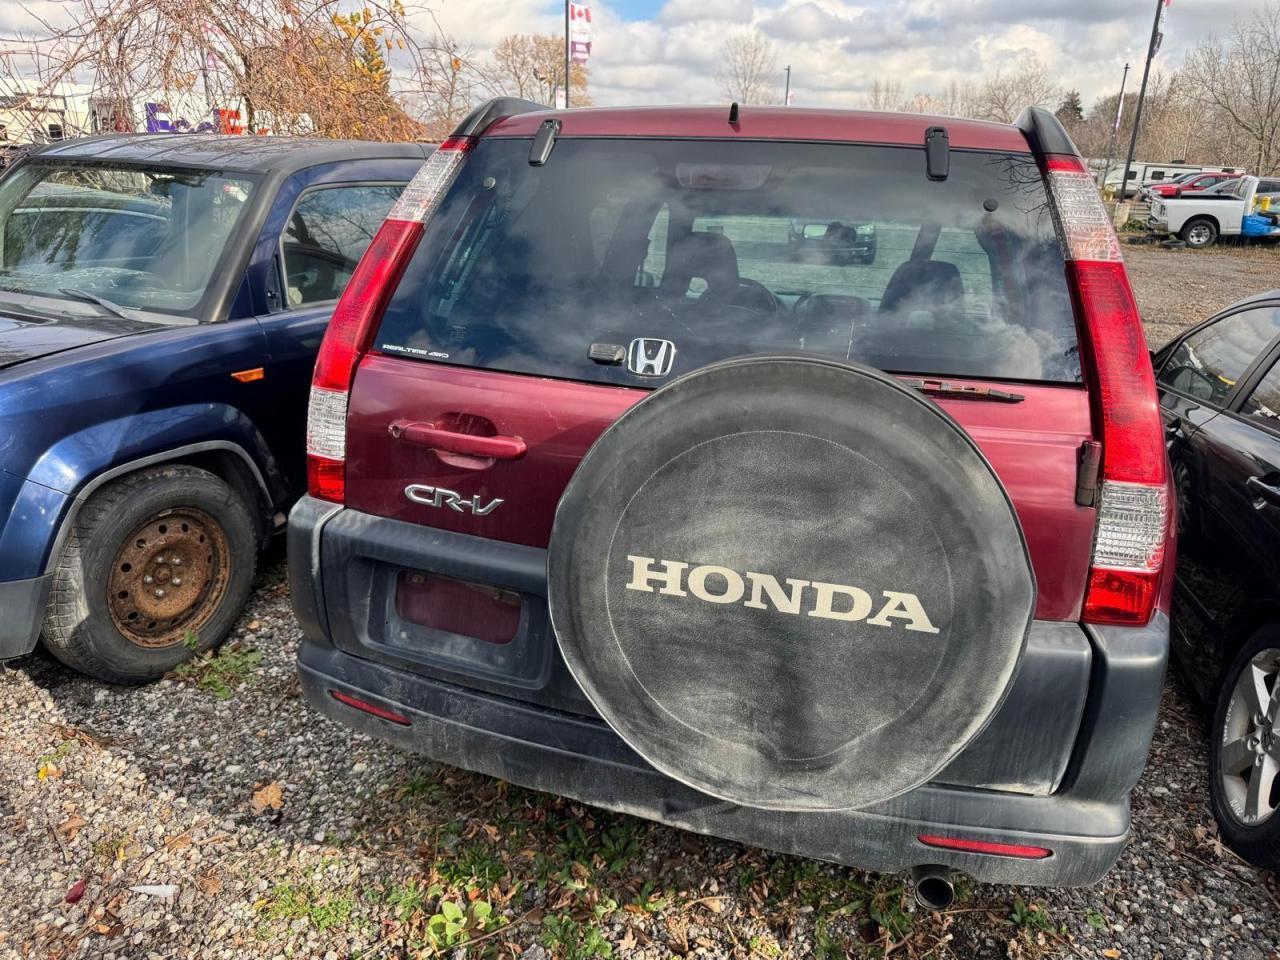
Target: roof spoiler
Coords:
[[491, 111], [1045, 132]]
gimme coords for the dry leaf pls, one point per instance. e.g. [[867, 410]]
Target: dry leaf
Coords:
[[76, 892], [1111, 952], [209, 884], [270, 797], [180, 842], [48, 772], [71, 826], [714, 904], [628, 940]]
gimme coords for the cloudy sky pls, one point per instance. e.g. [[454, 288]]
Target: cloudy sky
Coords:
[[665, 51]]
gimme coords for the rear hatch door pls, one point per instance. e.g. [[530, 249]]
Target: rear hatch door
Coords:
[[543, 301]]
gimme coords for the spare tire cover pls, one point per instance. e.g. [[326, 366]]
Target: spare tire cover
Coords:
[[791, 583]]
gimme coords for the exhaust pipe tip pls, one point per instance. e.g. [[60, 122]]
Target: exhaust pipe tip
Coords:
[[933, 887]]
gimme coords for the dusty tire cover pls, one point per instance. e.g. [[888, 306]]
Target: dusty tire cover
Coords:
[[799, 697]]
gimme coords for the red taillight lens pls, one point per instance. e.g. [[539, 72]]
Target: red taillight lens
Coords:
[[1132, 504], [350, 331], [1018, 850]]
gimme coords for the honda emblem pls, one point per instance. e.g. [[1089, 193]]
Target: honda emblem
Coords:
[[650, 358]]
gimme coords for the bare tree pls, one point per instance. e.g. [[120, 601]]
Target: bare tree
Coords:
[[748, 70], [1005, 93], [1239, 78], [885, 95], [532, 67]]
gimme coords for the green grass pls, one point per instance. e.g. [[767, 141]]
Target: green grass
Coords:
[[221, 673], [1030, 916], [303, 901]]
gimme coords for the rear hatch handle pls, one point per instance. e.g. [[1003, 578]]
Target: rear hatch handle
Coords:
[[450, 441]]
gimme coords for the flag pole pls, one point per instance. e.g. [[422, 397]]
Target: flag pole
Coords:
[[566, 53], [1142, 93], [1115, 130]]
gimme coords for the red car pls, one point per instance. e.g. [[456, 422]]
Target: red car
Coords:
[[1190, 183], [614, 495]]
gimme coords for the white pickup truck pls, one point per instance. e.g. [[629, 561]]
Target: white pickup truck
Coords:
[[1199, 219]]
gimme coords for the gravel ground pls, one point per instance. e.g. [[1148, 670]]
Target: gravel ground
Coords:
[[211, 815]]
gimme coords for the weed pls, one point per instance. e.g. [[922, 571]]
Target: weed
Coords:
[[113, 848], [765, 946], [190, 640], [473, 865], [1095, 920], [570, 940], [1029, 916], [422, 787], [453, 926], [652, 898], [407, 898], [885, 908], [220, 673], [57, 754]]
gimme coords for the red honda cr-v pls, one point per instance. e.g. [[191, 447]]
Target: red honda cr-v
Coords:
[[793, 476]]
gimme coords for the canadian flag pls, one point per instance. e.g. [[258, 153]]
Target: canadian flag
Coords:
[[579, 13], [579, 32]]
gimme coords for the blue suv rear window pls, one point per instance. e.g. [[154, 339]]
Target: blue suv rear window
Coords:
[[726, 248]]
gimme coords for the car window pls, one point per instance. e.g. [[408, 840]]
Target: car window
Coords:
[[1263, 404], [144, 237], [733, 248], [326, 236], [1208, 364]]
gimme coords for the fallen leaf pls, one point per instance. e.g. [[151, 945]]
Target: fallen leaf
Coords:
[[180, 842], [48, 771], [76, 892], [71, 826], [270, 797], [1111, 952], [628, 940], [714, 904], [209, 884]]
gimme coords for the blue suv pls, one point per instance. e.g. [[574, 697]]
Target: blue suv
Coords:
[[162, 299]]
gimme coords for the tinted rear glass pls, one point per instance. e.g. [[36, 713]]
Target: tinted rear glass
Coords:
[[730, 248]]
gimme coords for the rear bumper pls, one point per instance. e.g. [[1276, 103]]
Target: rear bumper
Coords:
[[22, 603], [1082, 815]]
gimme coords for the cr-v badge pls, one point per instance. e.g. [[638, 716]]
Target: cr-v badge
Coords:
[[651, 358], [440, 497]]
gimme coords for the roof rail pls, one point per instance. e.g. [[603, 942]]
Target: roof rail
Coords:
[[1045, 132], [491, 111]]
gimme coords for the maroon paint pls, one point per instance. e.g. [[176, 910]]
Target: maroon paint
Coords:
[[767, 123], [1032, 445]]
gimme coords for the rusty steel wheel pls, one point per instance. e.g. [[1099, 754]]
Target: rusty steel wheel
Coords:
[[168, 577]]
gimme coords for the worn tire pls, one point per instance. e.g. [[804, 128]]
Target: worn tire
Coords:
[[1258, 843], [1199, 233], [78, 626]]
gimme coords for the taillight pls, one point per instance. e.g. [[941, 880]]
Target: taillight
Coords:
[[358, 313], [1132, 504]]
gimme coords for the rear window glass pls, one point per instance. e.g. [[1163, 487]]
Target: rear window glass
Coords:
[[702, 250]]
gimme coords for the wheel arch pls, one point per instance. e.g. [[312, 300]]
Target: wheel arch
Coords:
[[1217, 226], [225, 459], [1255, 615]]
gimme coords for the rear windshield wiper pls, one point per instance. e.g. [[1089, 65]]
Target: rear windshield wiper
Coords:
[[942, 388], [110, 306]]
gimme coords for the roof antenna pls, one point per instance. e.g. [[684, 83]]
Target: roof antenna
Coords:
[[733, 112]]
